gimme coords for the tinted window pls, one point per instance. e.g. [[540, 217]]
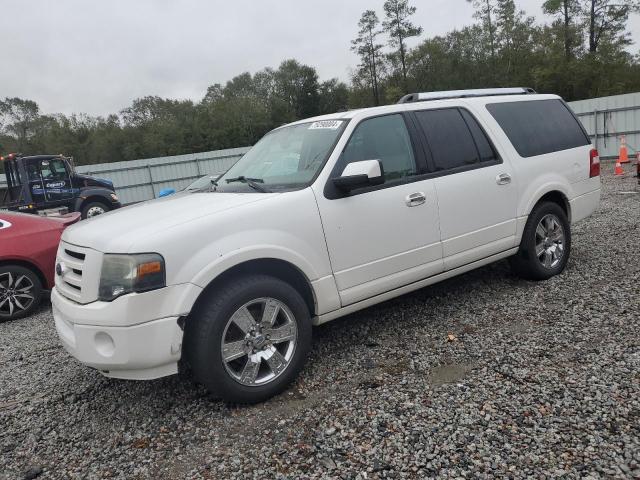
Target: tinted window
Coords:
[[538, 127], [385, 139], [450, 139], [485, 149]]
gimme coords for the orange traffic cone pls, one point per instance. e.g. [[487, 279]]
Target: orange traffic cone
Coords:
[[624, 154], [618, 171]]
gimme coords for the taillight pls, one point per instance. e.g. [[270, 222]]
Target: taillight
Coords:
[[594, 163]]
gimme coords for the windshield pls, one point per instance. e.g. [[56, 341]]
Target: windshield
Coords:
[[287, 158]]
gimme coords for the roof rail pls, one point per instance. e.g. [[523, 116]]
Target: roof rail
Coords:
[[480, 92]]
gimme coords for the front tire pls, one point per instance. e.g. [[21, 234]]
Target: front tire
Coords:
[[93, 209], [546, 243], [20, 292], [249, 339]]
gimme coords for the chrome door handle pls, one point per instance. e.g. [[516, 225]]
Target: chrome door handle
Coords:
[[503, 179], [415, 199]]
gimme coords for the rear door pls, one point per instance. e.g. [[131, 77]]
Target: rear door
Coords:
[[475, 186]]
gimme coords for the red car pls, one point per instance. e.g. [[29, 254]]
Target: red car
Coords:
[[28, 246]]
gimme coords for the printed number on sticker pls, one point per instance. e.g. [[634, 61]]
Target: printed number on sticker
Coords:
[[326, 124]]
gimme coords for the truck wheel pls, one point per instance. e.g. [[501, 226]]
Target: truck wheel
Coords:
[[93, 209], [20, 292], [249, 340], [546, 243]]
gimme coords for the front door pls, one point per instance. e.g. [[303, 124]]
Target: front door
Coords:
[[36, 184], [383, 237], [56, 181]]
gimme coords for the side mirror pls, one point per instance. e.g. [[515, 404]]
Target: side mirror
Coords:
[[360, 174]]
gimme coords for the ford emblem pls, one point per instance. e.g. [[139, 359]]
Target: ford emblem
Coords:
[[60, 268]]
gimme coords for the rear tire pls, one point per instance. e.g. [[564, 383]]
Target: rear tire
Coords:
[[248, 358], [546, 243], [20, 292], [93, 209]]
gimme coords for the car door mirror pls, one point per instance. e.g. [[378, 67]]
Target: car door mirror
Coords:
[[360, 174]]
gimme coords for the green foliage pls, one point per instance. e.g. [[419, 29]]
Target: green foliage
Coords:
[[398, 26], [368, 49]]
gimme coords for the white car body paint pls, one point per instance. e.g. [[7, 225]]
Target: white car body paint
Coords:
[[354, 251]]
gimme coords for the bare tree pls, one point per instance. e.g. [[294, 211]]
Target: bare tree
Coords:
[[607, 19]]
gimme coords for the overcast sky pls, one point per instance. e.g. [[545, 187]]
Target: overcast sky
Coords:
[[96, 56]]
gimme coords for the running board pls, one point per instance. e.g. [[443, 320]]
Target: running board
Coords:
[[327, 317]]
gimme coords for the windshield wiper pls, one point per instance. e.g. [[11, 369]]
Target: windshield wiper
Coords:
[[252, 182]]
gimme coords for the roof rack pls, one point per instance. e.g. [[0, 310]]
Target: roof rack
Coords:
[[480, 92]]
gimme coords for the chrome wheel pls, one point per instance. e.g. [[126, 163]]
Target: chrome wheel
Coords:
[[259, 341], [550, 241], [95, 210], [16, 294]]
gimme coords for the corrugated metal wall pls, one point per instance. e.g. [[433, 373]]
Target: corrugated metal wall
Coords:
[[607, 118], [604, 118]]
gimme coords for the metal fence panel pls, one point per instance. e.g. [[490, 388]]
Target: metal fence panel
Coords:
[[607, 118]]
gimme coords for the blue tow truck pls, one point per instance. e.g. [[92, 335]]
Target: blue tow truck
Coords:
[[48, 182]]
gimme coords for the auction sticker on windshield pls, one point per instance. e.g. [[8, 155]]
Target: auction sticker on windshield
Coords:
[[326, 124]]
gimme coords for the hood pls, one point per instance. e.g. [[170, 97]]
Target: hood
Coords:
[[117, 231], [13, 226], [87, 181]]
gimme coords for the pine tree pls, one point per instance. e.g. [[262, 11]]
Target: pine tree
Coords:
[[398, 26], [368, 49]]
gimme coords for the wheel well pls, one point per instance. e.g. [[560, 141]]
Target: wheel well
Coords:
[[29, 266], [268, 266], [92, 199], [559, 199]]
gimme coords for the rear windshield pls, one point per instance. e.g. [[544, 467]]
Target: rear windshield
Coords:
[[539, 126]]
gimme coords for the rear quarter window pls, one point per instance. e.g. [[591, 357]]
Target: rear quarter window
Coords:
[[538, 127]]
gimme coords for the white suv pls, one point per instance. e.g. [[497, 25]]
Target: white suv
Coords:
[[319, 219]]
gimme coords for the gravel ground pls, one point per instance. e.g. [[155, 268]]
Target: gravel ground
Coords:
[[483, 375]]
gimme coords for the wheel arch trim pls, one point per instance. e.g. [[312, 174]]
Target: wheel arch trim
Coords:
[[548, 191], [234, 262], [28, 265]]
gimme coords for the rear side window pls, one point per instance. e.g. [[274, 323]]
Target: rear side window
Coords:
[[455, 138], [538, 127]]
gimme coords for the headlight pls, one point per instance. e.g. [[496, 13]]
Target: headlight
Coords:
[[122, 274], [114, 197]]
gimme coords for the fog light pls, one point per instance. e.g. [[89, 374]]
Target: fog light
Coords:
[[105, 344]]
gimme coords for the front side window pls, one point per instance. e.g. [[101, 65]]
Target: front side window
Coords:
[[287, 158], [386, 139], [53, 169]]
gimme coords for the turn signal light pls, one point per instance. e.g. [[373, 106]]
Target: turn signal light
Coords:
[[149, 268]]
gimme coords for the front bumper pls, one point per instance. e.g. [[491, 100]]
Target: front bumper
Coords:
[[137, 351]]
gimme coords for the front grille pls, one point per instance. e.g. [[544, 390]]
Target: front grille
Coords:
[[80, 271], [70, 284], [77, 255]]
